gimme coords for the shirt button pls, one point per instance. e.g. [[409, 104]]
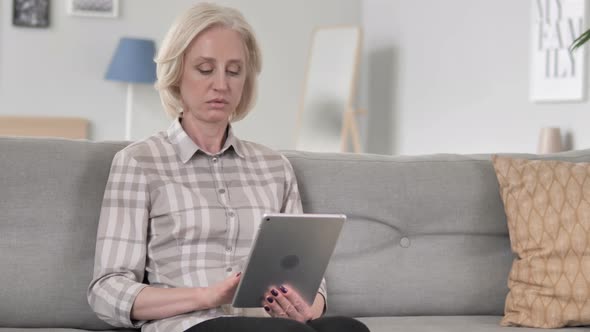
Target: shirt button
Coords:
[[229, 269], [214, 159], [221, 191], [228, 249], [231, 214], [404, 242]]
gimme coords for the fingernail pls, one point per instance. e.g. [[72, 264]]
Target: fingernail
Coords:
[[239, 274], [270, 300], [266, 308], [283, 289], [274, 292]]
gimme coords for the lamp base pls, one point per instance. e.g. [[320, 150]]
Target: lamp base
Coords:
[[129, 112]]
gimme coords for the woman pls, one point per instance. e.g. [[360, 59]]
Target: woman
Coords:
[[181, 208]]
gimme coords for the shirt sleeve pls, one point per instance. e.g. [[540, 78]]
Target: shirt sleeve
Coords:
[[121, 244], [292, 204]]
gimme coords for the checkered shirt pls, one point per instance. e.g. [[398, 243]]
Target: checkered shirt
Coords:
[[176, 216]]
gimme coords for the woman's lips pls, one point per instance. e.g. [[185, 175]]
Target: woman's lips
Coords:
[[217, 103]]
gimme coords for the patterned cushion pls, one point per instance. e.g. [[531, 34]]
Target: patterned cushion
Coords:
[[547, 205]]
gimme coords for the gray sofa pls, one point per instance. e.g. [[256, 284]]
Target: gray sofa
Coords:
[[425, 247]]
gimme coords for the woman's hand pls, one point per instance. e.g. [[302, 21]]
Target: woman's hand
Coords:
[[284, 302], [158, 303], [222, 292]]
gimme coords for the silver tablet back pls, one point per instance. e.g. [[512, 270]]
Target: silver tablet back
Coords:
[[289, 250]]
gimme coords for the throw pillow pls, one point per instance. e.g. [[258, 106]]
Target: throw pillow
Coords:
[[547, 205]]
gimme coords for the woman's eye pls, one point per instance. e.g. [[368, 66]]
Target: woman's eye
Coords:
[[233, 72], [205, 71]]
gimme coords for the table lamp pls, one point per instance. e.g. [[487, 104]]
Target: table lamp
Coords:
[[133, 62]]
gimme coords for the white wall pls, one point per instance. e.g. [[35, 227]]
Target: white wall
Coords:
[[445, 76], [59, 71], [452, 76]]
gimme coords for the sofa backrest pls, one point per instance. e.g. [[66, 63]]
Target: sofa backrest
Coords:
[[425, 235], [50, 196]]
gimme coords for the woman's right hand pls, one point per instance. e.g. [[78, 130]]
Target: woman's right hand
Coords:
[[158, 303], [222, 292]]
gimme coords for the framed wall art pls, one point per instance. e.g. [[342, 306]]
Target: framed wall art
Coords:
[[30, 13], [556, 74], [93, 8]]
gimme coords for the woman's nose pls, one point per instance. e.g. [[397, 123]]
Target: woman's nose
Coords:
[[220, 81]]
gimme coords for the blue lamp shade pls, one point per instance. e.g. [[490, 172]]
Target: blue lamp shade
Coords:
[[133, 61]]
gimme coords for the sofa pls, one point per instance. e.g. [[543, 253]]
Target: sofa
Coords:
[[425, 246]]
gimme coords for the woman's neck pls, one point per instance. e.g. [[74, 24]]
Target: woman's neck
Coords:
[[210, 137]]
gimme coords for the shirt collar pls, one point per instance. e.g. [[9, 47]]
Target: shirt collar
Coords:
[[185, 147]]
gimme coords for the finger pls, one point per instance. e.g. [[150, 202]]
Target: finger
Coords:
[[233, 281], [287, 306], [294, 298], [274, 308]]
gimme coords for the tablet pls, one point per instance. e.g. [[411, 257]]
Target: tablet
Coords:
[[289, 249]]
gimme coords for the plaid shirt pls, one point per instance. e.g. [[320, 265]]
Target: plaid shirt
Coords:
[[176, 216]]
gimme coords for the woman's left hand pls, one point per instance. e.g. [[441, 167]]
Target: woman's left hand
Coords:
[[284, 302]]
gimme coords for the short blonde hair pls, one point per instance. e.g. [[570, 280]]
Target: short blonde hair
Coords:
[[170, 59]]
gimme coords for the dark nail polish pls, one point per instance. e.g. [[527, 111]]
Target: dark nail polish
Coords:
[[274, 292], [239, 274], [270, 300], [283, 289], [267, 308]]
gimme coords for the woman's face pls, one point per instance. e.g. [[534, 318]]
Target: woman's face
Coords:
[[213, 75]]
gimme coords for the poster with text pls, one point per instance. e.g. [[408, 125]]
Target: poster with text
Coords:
[[556, 73]]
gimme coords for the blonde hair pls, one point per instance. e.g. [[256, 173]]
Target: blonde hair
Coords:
[[170, 59]]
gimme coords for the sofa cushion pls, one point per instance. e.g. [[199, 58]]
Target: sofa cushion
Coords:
[[50, 197], [425, 235], [401, 324], [548, 208], [445, 324]]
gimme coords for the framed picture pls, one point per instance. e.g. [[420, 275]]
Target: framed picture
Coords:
[[30, 13], [556, 74], [94, 8]]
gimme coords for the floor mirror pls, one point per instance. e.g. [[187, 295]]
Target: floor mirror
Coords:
[[327, 120]]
